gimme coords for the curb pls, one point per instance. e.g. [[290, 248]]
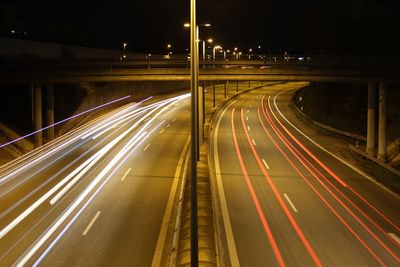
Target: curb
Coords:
[[382, 164]]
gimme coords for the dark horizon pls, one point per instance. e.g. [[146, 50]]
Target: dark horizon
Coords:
[[307, 27]]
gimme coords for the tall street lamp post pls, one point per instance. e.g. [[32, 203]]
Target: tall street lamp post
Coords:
[[194, 255], [204, 51]]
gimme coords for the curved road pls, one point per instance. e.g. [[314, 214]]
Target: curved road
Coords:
[[284, 201]]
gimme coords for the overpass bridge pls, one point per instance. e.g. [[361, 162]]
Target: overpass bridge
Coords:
[[242, 73], [376, 75]]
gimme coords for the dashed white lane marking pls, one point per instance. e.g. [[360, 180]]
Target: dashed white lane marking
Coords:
[[395, 237], [248, 128], [265, 164], [91, 223], [146, 147], [247, 118], [168, 125], [174, 120], [126, 174], [290, 203], [254, 143], [162, 131], [248, 111]]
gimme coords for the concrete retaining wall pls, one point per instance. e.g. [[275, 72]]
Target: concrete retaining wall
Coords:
[[102, 93]]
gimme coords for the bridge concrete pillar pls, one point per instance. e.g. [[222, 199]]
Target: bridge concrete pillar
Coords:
[[37, 111], [213, 94], [225, 89], [50, 111], [382, 148], [372, 86]]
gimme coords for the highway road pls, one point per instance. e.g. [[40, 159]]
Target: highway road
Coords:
[[101, 195], [283, 200]]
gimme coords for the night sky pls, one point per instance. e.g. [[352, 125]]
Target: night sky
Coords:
[[342, 26]]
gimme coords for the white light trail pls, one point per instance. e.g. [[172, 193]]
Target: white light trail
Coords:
[[128, 148], [88, 162]]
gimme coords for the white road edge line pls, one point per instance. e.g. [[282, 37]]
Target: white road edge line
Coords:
[[254, 142], [91, 223], [126, 174], [290, 203], [230, 239], [146, 147], [330, 153], [168, 211], [395, 237], [265, 163]]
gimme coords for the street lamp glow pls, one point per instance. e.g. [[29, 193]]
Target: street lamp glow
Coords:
[[235, 49], [169, 45], [210, 40], [187, 25], [250, 50]]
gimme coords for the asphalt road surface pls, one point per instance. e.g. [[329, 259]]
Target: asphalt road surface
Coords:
[[101, 195], [284, 201]]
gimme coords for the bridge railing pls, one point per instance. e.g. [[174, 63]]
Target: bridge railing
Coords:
[[182, 61]]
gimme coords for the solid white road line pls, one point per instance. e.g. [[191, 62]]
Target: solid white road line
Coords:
[[290, 203], [168, 211], [230, 239], [147, 147], [91, 223], [265, 164], [126, 174], [395, 237], [254, 142]]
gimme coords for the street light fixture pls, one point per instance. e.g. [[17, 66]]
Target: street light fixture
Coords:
[[250, 50], [187, 25], [169, 49]]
